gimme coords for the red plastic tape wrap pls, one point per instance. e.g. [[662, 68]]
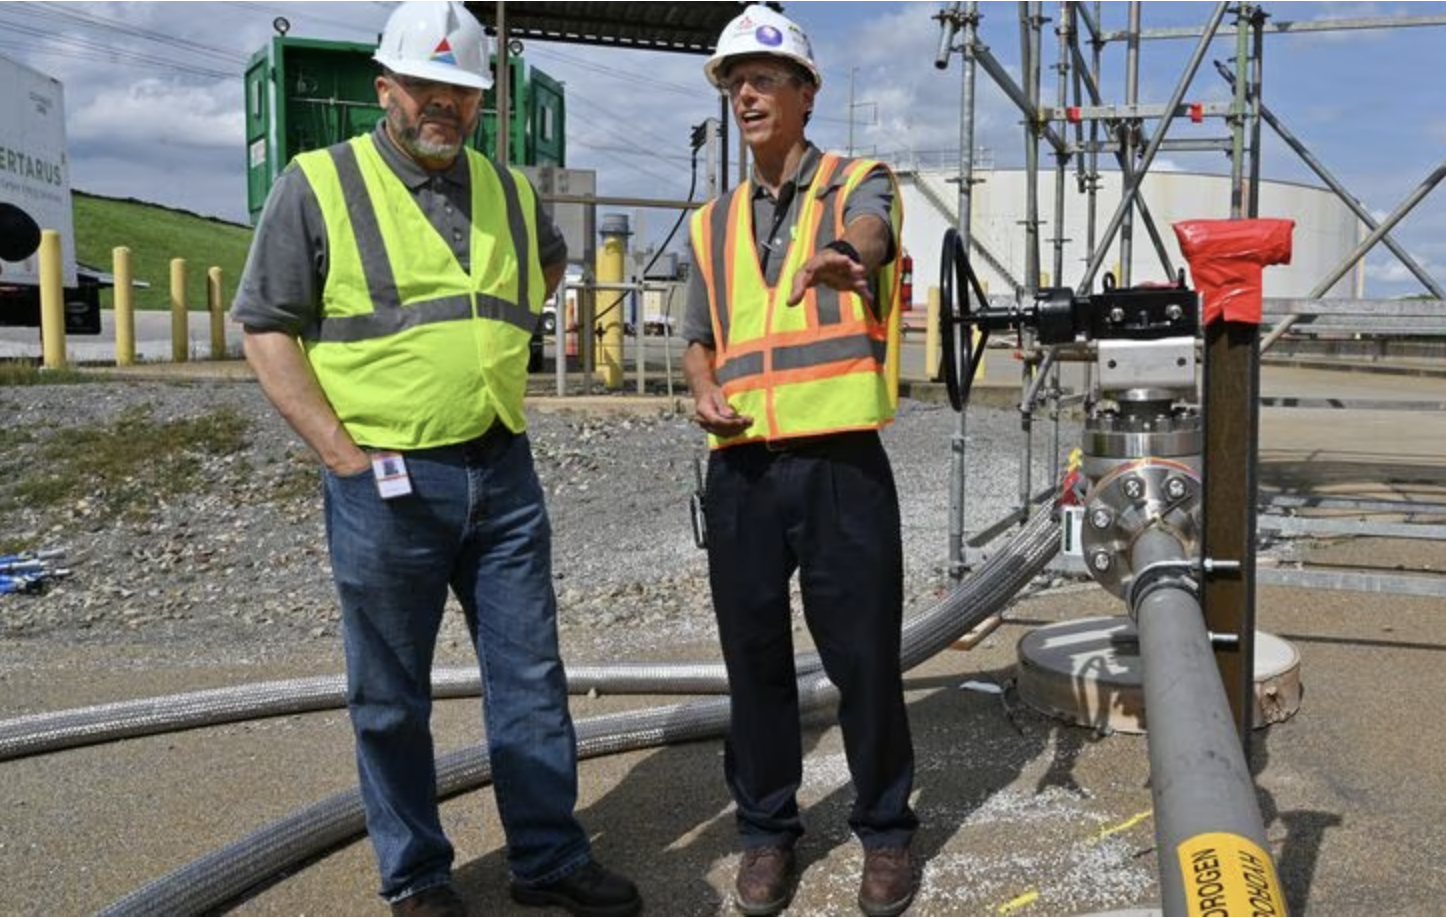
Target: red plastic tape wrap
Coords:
[[1226, 260]]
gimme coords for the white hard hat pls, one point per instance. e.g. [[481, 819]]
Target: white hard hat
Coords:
[[434, 41], [761, 30]]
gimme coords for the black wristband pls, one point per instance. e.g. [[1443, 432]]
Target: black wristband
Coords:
[[843, 247]]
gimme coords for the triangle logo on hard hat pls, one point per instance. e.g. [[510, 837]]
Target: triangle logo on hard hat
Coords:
[[443, 52]]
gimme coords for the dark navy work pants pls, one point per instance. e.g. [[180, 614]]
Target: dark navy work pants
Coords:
[[828, 509]]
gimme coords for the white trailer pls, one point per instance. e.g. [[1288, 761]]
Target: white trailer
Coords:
[[35, 178]]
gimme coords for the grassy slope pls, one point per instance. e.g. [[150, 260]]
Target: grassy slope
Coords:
[[155, 235]]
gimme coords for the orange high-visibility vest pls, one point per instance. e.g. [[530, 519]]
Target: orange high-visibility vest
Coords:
[[805, 370]]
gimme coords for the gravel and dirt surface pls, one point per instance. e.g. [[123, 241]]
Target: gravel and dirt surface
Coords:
[[228, 584]]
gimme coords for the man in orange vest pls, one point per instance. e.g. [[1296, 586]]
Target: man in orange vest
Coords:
[[787, 317]]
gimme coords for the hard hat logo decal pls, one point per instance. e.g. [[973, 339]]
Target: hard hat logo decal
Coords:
[[443, 53], [769, 36]]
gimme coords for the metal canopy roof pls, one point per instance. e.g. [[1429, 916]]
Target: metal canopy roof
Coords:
[[690, 28]]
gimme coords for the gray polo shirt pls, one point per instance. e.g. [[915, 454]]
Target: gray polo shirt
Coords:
[[773, 223], [286, 268]]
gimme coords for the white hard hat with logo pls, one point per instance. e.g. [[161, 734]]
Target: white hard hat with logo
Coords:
[[761, 30], [441, 42]]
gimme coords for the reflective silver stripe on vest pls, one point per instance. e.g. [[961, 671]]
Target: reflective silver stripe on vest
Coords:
[[854, 347], [829, 300], [520, 315], [740, 367], [719, 221], [388, 317], [803, 356]]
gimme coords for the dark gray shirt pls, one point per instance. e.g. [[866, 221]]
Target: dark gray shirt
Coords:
[[773, 223], [286, 268]]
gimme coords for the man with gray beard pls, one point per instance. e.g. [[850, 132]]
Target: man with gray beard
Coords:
[[389, 301]]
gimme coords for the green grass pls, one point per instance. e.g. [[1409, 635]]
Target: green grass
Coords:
[[155, 235], [26, 373], [124, 468]]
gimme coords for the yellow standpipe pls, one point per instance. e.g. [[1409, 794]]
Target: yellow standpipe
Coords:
[[125, 307], [180, 322], [52, 301], [611, 305], [218, 314]]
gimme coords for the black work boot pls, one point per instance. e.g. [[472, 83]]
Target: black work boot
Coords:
[[591, 889]]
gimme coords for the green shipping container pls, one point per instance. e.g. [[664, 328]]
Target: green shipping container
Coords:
[[302, 94]]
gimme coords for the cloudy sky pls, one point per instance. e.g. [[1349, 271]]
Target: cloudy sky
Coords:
[[154, 96]]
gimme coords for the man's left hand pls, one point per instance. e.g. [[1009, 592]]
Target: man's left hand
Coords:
[[831, 269]]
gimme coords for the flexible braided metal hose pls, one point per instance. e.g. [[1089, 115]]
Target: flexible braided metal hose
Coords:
[[226, 875], [37, 733], [924, 635]]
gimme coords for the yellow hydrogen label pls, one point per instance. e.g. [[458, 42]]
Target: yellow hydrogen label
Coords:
[[1229, 875]]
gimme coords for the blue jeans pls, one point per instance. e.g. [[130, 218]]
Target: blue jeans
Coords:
[[476, 522]]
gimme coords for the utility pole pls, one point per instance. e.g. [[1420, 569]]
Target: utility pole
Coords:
[[853, 105], [853, 71]]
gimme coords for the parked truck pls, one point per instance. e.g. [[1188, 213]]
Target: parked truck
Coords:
[[35, 187]]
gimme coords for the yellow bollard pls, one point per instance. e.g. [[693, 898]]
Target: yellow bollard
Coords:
[[52, 301], [932, 340], [125, 307], [218, 315], [611, 305], [180, 321]]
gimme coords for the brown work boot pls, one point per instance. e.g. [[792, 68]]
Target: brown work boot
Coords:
[[766, 878], [888, 883], [435, 900]]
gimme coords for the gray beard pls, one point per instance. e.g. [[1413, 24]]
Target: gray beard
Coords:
[[409, 138], [413, 143]]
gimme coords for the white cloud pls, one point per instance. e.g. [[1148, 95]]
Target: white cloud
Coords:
[[151, 111]]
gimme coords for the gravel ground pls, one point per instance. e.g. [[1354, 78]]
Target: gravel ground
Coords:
[[240, 562], [228, 583]]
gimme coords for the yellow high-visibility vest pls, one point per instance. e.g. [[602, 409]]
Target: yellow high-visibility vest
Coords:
[[411, 350], [815, 368]]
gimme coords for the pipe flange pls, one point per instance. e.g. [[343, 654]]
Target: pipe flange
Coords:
[[1133, 498]]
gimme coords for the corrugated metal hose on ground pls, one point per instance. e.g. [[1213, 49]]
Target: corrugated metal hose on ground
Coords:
[[227, 874]]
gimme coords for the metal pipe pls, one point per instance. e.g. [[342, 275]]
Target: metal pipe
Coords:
[[1205, 806], [1062, 69], [1256, 96], [1016, 95], [1029, 40], [1090, 78], [1402, 209], [1128, 200], [1326, 176], [1129, 136], [958, 446], [1237, 117]]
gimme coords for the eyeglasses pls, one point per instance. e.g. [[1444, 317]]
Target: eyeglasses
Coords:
[[764, 82], [419, 88]]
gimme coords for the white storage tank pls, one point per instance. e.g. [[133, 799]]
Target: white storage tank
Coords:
[[1325, 229]]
